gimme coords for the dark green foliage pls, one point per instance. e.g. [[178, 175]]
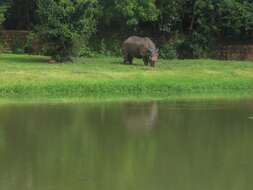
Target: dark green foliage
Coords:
[[236, 19], [87, 52], [2, 17], [17, 45], [110, 46], [32, 44], [206, 23], [168, 51], [13, 41], [21, 15], [65, 25], [202, 24], [68, 25], [4, 5], [127, 14]]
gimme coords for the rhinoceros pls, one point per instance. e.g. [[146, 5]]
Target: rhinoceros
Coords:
[[140, 47]]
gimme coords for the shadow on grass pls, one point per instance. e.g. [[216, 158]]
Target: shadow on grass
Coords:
[[117, 63], [23, 59], [136, 64]]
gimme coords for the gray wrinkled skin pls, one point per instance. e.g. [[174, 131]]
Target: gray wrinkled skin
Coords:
[[139, 47]]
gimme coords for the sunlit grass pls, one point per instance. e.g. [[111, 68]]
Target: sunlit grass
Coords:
[[24, 76]]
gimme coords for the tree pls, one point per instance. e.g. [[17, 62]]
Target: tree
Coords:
[[204, 23], [4, 5], [21, 15], [64, 24], [170, 15], [236, 19], [200, 24], [127, 15]]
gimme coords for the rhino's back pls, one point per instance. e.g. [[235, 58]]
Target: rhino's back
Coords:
[[139, 41]]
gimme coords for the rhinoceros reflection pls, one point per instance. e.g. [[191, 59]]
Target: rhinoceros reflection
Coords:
[[143, 117]]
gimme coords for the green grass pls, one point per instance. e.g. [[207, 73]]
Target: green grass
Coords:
[[31, 77]]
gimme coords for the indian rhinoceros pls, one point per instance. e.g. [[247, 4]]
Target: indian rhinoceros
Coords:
[[140, 47]]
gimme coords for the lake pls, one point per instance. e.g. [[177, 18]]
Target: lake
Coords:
[[127, 146]]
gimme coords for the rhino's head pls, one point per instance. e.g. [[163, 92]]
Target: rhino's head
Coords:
[[153, 56]]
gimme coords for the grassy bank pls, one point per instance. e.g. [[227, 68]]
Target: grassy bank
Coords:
[[31, 77]]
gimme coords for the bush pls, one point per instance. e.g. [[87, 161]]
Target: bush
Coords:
[[65, 25], [195, 46], [3, 8], [110, 46], [185, 50], [1, 46], [87, 52], [168, 51], [17, 45], [18, 51], [31, 41]]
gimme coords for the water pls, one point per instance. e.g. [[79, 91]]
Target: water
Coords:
[[127, 146]]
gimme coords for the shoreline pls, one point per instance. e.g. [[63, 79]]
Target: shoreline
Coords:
[[172, 99]]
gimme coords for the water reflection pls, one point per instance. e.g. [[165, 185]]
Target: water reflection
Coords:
[[141, 118], [182, 146]]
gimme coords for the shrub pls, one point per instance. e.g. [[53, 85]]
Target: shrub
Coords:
[[64, 25], [195, 46], [17, 45], [1, 46], [31, 39], [3, 8], [168, 51], [18, 51], [108, 46], [87, 52], [111, 47]]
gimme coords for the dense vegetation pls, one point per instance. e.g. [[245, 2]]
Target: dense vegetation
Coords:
[[182, 28], [64, 25], [4, 5], [30, 77]]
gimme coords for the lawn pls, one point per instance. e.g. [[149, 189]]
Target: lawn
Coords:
[[31, 77]]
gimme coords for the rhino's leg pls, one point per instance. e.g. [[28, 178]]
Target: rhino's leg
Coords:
[[126, 61], [145, 60], [130, 59], [127, 58]]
